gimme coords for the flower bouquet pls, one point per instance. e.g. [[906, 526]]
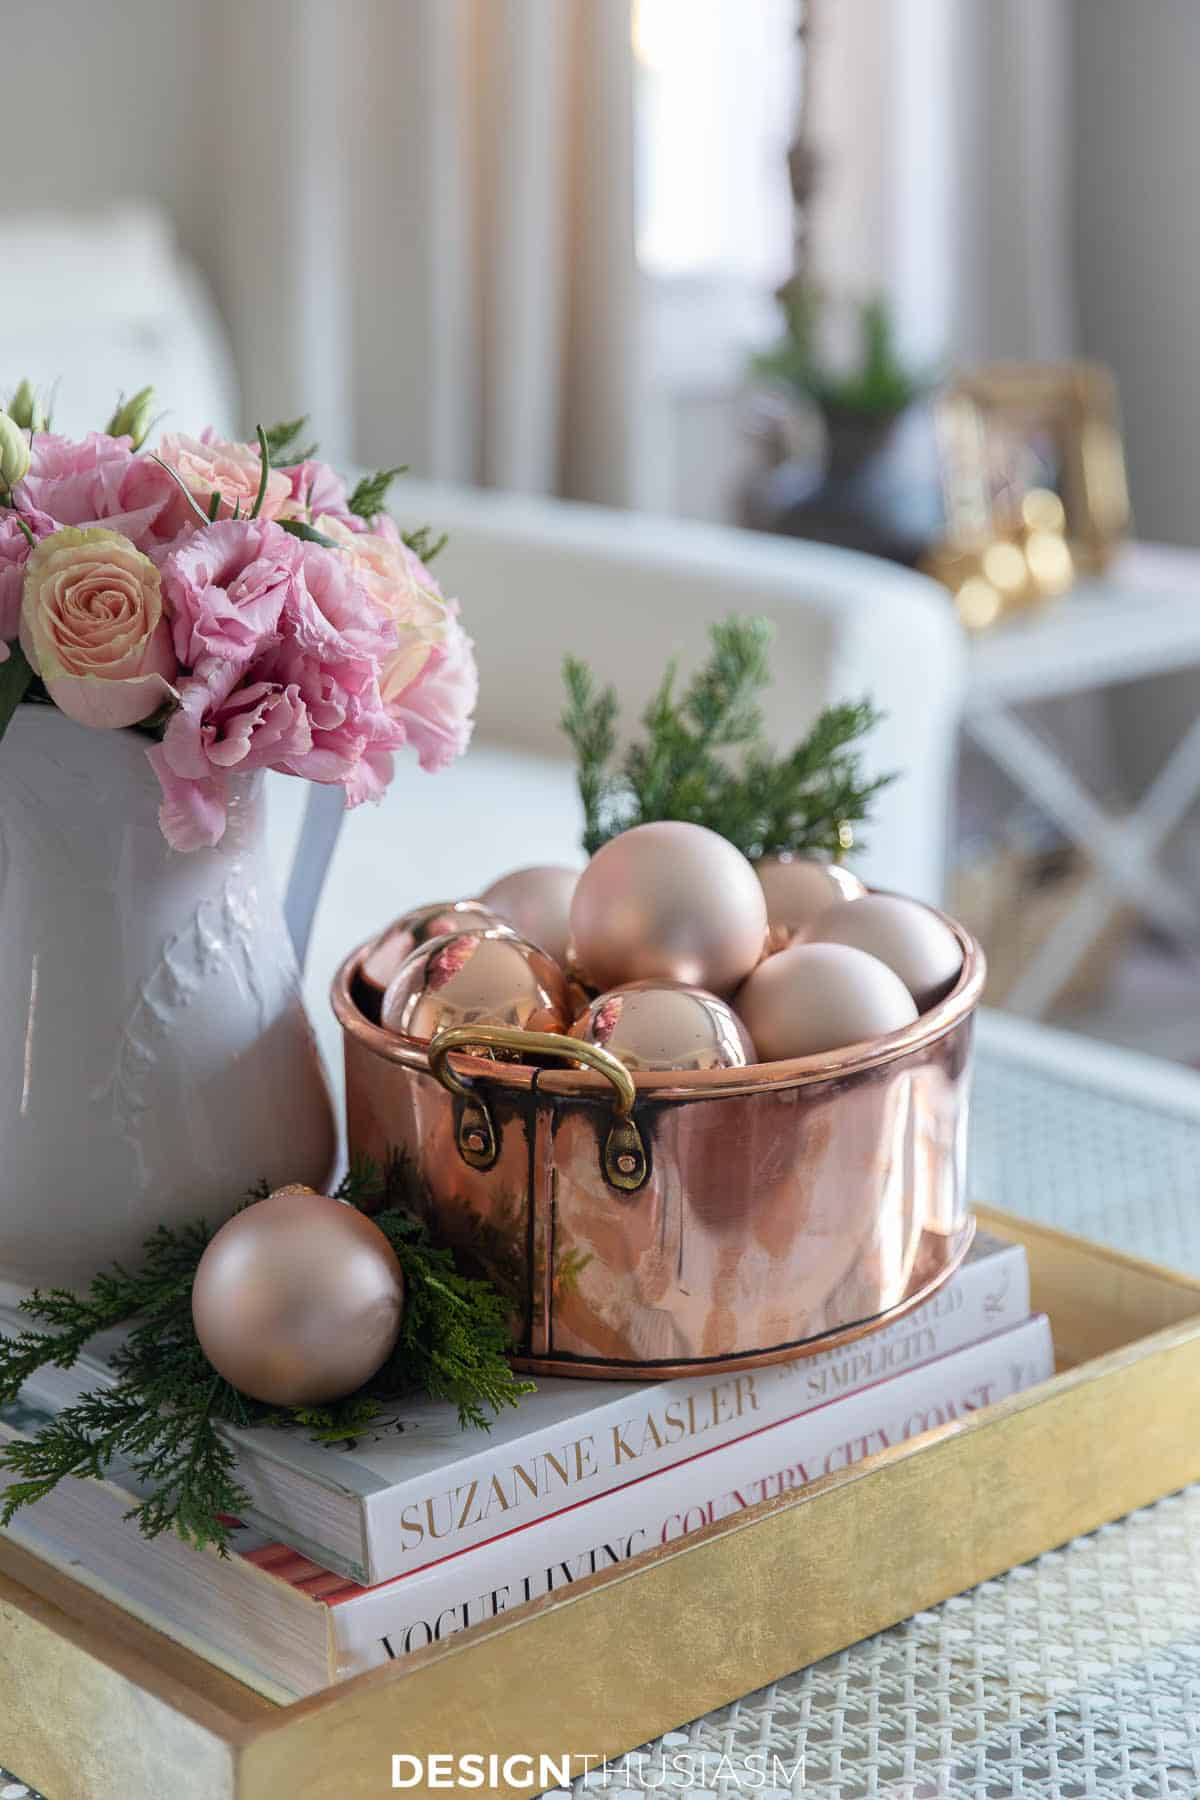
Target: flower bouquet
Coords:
[[174, 621], [233, 601]]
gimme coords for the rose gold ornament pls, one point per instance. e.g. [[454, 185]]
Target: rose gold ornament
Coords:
[[665, 1025], [418, 927], [798, 889], [476, 978], [817, 997], [298, 1299], [906, 936], [537, 902], [668, 902]]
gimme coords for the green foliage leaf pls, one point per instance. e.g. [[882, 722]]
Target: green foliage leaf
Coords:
[[878, 386], [15, 679], [162, 1416], [684, 767], [370, 494], [283, 443], [301, 529], [422, 543]]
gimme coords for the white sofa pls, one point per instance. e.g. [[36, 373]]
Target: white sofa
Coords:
[[103, 302], [539, 578]]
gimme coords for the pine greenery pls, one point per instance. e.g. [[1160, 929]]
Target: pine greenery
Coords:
[[704, 759], [161, 1419], [371, 492]]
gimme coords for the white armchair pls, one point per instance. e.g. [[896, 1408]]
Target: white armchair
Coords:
[[539, 578]]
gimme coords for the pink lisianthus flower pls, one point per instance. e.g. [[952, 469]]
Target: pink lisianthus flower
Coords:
[[226, 588], [317, 489], [304, 700], [207, 466], [95, 481], [14, 554], [429, 682]]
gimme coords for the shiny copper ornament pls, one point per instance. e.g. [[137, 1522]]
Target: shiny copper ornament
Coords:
[[476, 978], [668, 902], [420, 926], [298, 1300], [537, 902], [665, 1025], [706, 1220], [798, 889]]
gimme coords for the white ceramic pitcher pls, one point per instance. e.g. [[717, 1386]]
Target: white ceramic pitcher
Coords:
[[155, 1057]]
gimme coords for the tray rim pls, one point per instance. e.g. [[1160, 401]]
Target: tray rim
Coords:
[[514, 1664]]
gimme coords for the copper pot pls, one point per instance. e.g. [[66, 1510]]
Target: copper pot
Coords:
[[660, 1224]]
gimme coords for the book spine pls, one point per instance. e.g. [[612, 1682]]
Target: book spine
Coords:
[[373, 1626], [408, 1527]]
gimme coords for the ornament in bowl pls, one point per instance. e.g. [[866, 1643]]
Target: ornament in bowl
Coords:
[[750, 1141]]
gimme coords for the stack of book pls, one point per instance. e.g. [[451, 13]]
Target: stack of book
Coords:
[[353, 1556]]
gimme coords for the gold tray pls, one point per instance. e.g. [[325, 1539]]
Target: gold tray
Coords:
[[94, 1704]]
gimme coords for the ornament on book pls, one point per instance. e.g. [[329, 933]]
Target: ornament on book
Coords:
[[298, 1300], [537, 902], [798, 889], [419, 926], [353, 1284], [476, 978], [814, 998], [669, 901], [918, 946], [654, 1025]]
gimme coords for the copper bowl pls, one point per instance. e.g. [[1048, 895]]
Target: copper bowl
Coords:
[[662, 1224]]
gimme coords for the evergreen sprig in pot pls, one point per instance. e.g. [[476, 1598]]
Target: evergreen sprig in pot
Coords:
[[173, 624]]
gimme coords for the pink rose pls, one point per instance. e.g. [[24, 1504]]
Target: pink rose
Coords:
[[97, 481], [206, 466], [14, 554], [226, 586], [93, 628], [429, 681]]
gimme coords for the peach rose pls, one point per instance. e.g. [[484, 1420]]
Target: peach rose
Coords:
[[403, 590], [206, 466], [93, 627], [429, 682]]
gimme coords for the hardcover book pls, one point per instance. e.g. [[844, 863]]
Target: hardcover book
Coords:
[[285, 1625], [416, 1487]]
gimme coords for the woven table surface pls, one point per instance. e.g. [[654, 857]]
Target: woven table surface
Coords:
[[1077, 1676]]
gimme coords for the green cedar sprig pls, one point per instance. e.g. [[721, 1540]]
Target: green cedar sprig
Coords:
[[283, 443], [161, 1418], [370, 493], [806, 801]]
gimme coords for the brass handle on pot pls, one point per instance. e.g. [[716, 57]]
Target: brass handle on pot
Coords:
[[626, 1164]]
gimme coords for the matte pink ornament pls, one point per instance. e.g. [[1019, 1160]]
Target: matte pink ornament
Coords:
[[537, 901], [665, 1025], [813, 998], [920, 948], [298, 1300], [799, 889], [668, 902]]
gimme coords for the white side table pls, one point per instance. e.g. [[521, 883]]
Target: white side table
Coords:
[[1140, 619]]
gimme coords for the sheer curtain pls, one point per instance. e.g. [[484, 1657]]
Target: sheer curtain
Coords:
[[944, 127], [425, 230]]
